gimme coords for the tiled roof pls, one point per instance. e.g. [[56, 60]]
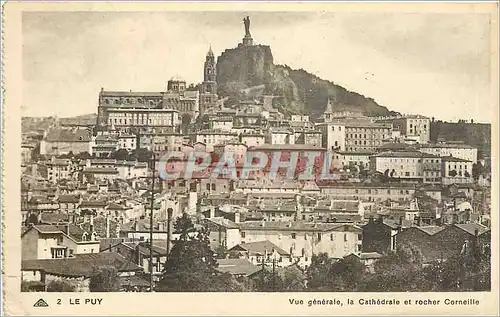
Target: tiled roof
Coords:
[[54, 218], [260, 248], [228, 224], [405, 154], [430, 230], [68, 135], [93, 204], [68, 199], [75, 232], [85, 265], [237, 267], [277, 147], [103, 170], [114, 206], [130, 94], [448, 145], [295, 226], [367, 255], [454, 159], [471, 227]]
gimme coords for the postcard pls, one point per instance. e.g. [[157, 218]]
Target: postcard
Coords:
[[239, 158]]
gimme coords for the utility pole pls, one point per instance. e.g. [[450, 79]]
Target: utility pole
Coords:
[[153, 167], [169, 224], [263, 269], [274, 274]]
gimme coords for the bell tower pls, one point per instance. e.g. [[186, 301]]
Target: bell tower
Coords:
[[208, 94]]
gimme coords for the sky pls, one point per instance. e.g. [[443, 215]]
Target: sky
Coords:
[[436, 65]]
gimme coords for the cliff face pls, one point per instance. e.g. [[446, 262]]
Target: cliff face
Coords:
[[299, 91], [475, 134], [243, 67]]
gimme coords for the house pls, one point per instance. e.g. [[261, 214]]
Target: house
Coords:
[[379, 235], [423, 238], [304, 239], [456, 170], [100, 174], [139, 253], [77, 270], [59, 141], [441, 243], [408, 166], [368, 259], [223, 233], [257, 252], [68, 203], [458, 150], [56, 242], [237, 267]]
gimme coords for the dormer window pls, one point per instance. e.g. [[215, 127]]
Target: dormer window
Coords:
[[85, 236]]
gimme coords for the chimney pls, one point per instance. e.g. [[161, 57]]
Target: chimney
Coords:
[[137, 255], [419, 221], [475, 246], [136, 225], [91, 223], [107, 226], [237, 217], [39, 218], [169, 229], [400, 221], [370, 219], [66, 229], [212, 212]]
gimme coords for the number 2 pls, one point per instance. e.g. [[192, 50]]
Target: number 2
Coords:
[[58, 301]]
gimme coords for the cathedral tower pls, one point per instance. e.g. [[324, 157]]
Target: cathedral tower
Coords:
[[208, 95]]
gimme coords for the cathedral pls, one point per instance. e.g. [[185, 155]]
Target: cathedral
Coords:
[[159, 112]]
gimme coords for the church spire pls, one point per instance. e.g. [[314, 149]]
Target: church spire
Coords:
[[329, 106]]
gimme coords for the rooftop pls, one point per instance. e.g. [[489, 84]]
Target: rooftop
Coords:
[[237, 267], [259, 248], [296, 226], [85, 265], [68, 135], [405, 154]]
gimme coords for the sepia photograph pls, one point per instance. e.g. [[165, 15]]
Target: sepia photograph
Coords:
[[256, 151]]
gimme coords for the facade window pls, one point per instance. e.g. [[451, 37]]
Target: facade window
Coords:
[[243, 234], [294, 235], [332, 237], [345, 236], [319, 236]]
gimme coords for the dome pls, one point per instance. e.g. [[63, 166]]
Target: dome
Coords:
[[176, 78]]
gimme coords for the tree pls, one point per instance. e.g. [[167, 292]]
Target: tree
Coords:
[[83, 156], [318, 272], [466, 174], [347, 274], [400, 271], [106, 280], [60, 286], [293, 280], [477, 170], [191, 266], [121, 155], [141, 155], [452, 173]]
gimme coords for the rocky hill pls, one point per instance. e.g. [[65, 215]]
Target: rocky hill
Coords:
[[299, 91]]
